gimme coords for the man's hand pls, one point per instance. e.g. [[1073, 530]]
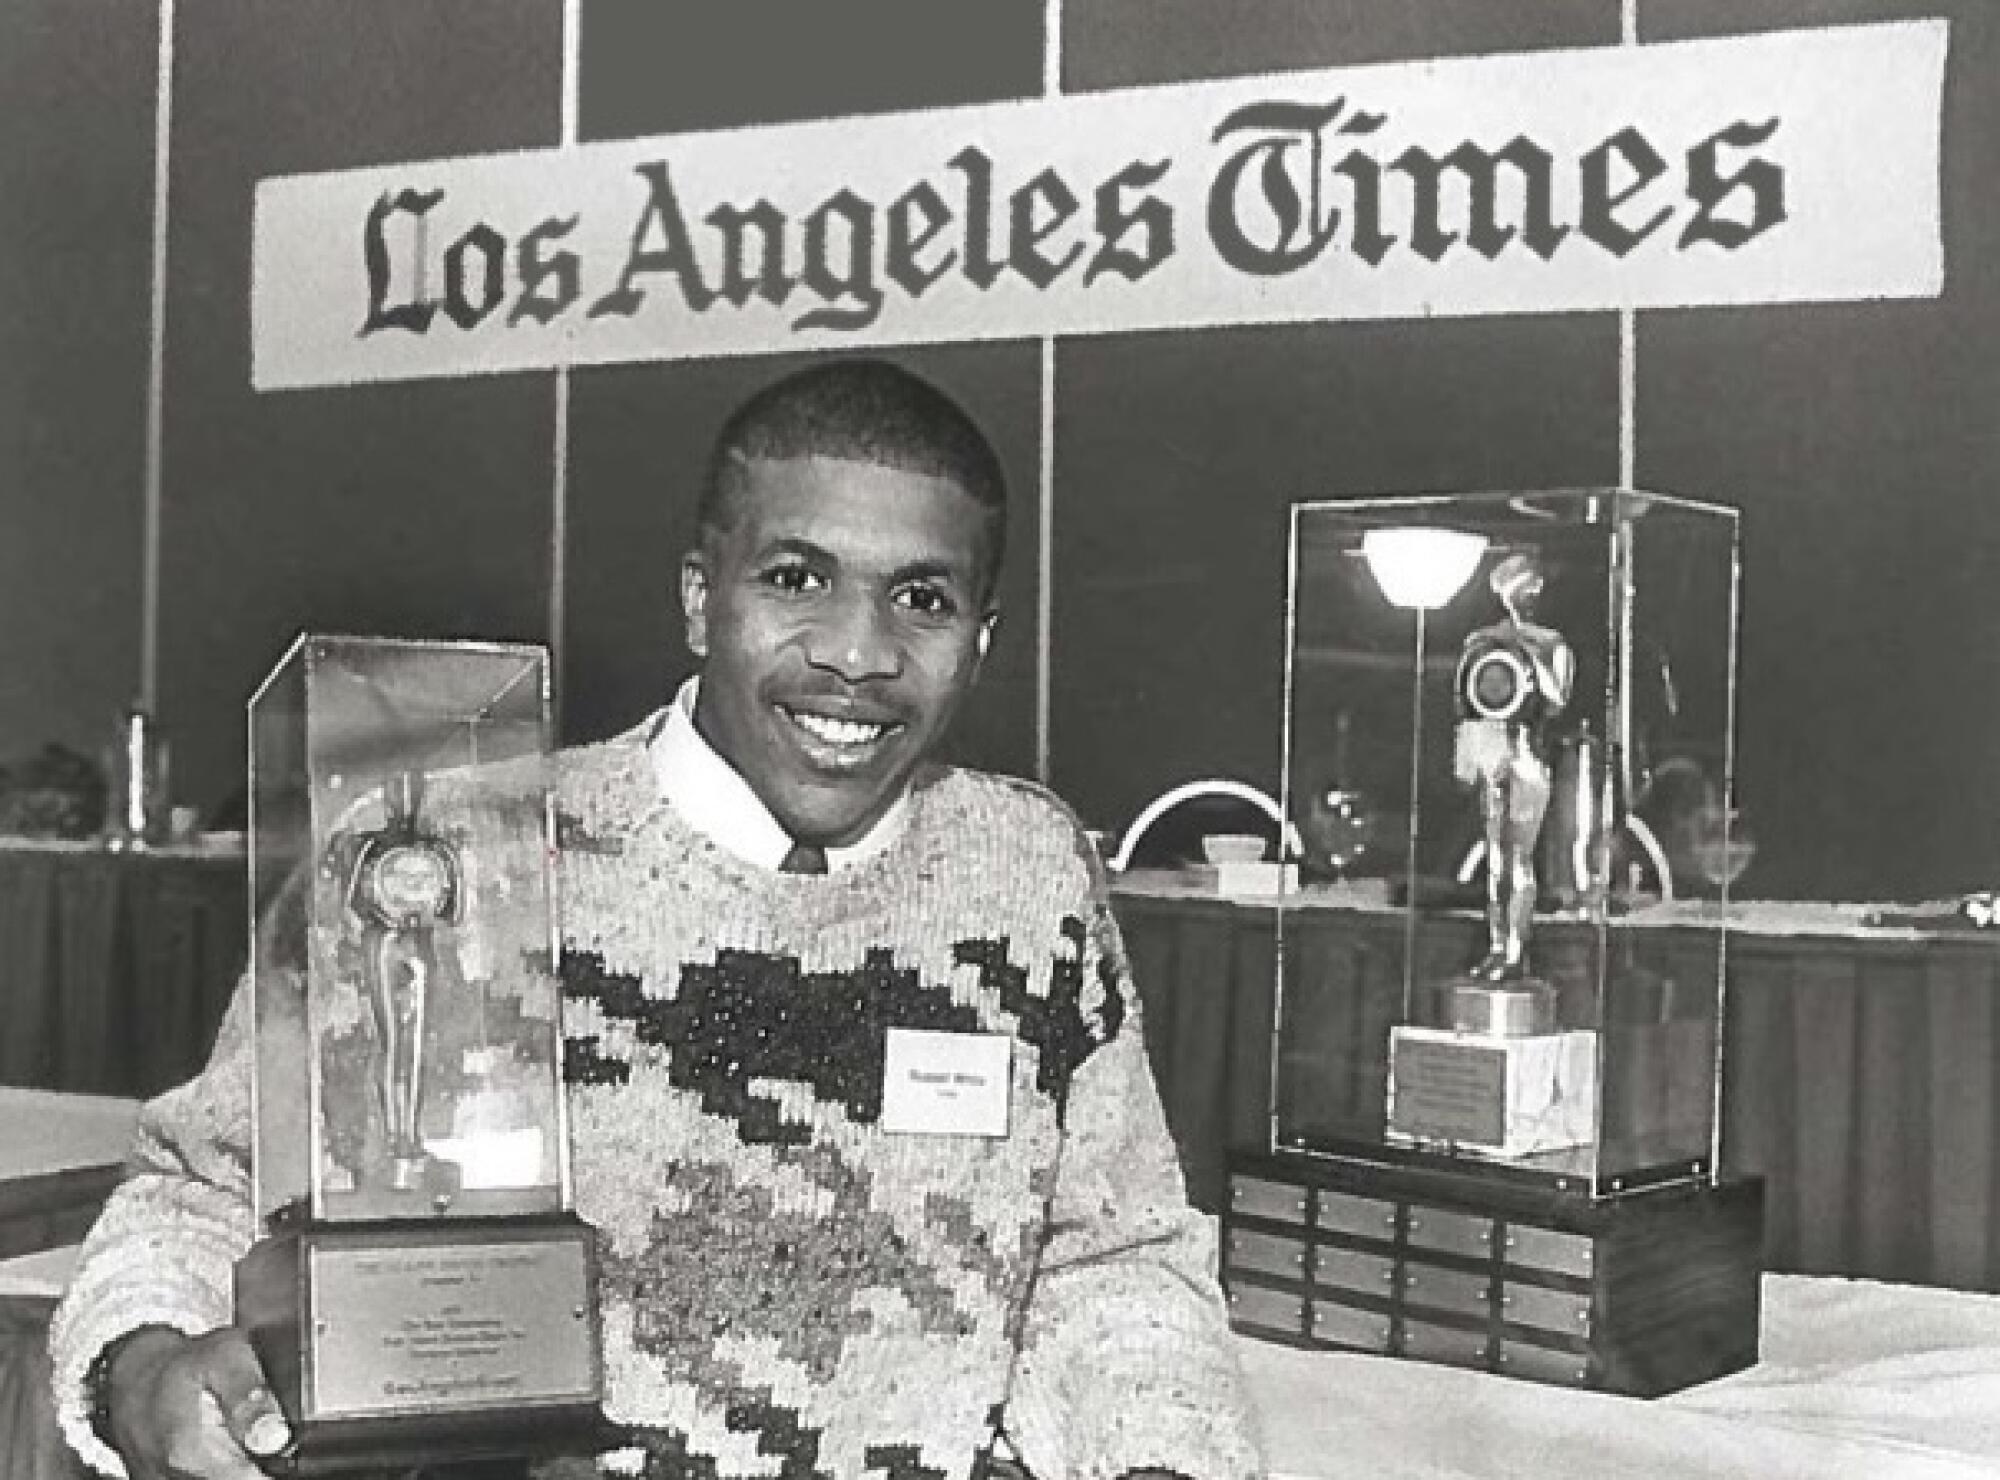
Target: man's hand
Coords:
[[193, 1408]]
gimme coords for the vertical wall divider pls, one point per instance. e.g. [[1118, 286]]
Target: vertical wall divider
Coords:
[[156, 368], [1628, 465], [572, 30], [1628, 324], [1045, 551]]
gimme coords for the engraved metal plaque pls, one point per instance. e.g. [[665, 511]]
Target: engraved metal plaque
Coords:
[[1447, 1289], [1351, 1326], [1267, 1253], [1450, 1345], [1544, 1364], [1364, 1217], [391, 1345], [405, 1330], [1254, 1307], [1545, 1248], [1545, 1309], [1351, 1269], [1467, 1234], [1254, 1197], [1450, 1091]]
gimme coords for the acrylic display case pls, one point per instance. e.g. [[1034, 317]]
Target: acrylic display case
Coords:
[[423, 1291], [1535, 693]]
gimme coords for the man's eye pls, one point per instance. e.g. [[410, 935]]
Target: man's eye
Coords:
[[926, 601], [794, 580]]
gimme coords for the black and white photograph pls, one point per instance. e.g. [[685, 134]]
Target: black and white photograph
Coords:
[[1044, 740]]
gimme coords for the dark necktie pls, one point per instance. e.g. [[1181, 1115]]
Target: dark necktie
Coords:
[[804, 859]]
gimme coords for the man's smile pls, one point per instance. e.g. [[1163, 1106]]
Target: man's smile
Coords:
[[838, 741]]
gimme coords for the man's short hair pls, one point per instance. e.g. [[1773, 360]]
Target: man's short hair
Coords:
[[862, 410]]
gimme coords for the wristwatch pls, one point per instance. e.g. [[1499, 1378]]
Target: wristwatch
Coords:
[[97, 1380]]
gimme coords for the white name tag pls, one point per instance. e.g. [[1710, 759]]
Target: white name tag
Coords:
[[946, 1084]]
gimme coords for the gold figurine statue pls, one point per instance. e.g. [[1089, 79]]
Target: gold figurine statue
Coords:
[[405, 883], [1514, 677]]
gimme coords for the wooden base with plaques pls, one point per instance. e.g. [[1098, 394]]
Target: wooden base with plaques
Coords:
[[428, 1342], [1640, 1293]]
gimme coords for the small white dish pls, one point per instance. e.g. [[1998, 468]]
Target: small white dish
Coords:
[[1220, 848]]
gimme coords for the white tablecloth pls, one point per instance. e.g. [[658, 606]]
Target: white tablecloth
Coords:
[[1858, 1381]]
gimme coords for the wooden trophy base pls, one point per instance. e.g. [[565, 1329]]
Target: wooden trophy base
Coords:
[[1641, 1293], [400, 1344]]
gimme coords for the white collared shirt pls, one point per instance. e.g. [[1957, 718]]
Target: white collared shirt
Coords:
[[715, 800]]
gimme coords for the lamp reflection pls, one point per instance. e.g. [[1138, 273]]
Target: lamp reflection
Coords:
[[1419, 569]]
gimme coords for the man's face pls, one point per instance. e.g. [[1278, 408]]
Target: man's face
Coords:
[[841, 621]]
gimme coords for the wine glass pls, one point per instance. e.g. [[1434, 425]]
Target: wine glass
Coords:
[[1338, 830], [1722, 846]]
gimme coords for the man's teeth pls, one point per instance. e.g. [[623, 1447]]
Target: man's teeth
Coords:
[[838, 731]]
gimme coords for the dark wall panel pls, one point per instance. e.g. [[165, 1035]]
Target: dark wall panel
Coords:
[[639, 440], [1859, 441], [76, 191], [418, 509], [1131, 43], [1177, 458], [649, 68]]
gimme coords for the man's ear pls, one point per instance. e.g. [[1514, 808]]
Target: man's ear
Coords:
[[694, 601], [983, 643]]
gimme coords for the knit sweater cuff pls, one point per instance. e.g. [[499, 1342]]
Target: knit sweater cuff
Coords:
[[133, 1273], [75, 1403]]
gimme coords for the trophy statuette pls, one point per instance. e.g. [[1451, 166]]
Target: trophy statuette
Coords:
[[1514, 678], [423, 1292], [1499, 1075], [404, 884]]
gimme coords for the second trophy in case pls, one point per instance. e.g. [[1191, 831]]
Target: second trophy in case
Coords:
[[1496, 1070], [1520, 665]]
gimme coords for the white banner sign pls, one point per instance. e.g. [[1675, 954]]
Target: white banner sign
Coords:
[[1777, 168]]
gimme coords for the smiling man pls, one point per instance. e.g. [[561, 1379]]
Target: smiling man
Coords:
[[841, 596], [858, 1099]]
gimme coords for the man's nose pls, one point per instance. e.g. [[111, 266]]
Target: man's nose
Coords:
[[855, 639]]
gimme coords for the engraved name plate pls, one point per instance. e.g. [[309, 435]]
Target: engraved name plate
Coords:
[[1450, 1091], [464, 1325]]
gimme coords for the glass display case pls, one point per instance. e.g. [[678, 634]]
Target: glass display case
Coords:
[[422, 1291], [407, 1004], [1535, 691]]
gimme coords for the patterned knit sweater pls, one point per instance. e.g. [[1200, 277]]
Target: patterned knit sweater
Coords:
[[788, 1289]]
